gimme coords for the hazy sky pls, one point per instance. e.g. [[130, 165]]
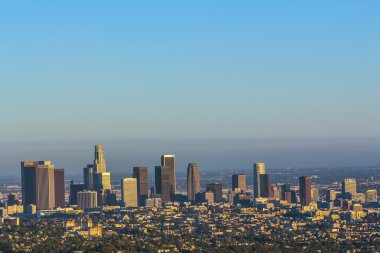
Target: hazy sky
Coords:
[[218, 74]]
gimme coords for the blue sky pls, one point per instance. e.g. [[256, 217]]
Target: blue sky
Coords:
[[91, 71]]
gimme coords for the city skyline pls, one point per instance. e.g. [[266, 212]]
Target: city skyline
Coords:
[[42, 189], [189, 126], [43, 185]]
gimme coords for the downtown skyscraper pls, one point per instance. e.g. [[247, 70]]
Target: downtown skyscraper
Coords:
[[141, 175], [239, 181], [38, 186], [101, 178], [59, 187], [129, 197], [349, 186], [88, 176], [169, 161], [266, 190], [99, 161], [258, 169], [193, 181], [162, 182], [305, 190]]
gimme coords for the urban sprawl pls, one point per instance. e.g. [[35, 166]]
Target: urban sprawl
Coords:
[[44, 214]]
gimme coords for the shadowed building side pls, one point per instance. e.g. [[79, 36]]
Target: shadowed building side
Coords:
[[141, 175], [28, 183], [305, 190], [193, 181], [266, 190], [87, 199], [162, 182], [59, 183], [169, 161], [88, 177], [74, 189]]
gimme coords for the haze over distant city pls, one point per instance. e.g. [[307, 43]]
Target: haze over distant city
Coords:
[[221, 83]]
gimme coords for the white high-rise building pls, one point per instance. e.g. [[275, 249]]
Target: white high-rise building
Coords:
[[349, 186], [129, 192]]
